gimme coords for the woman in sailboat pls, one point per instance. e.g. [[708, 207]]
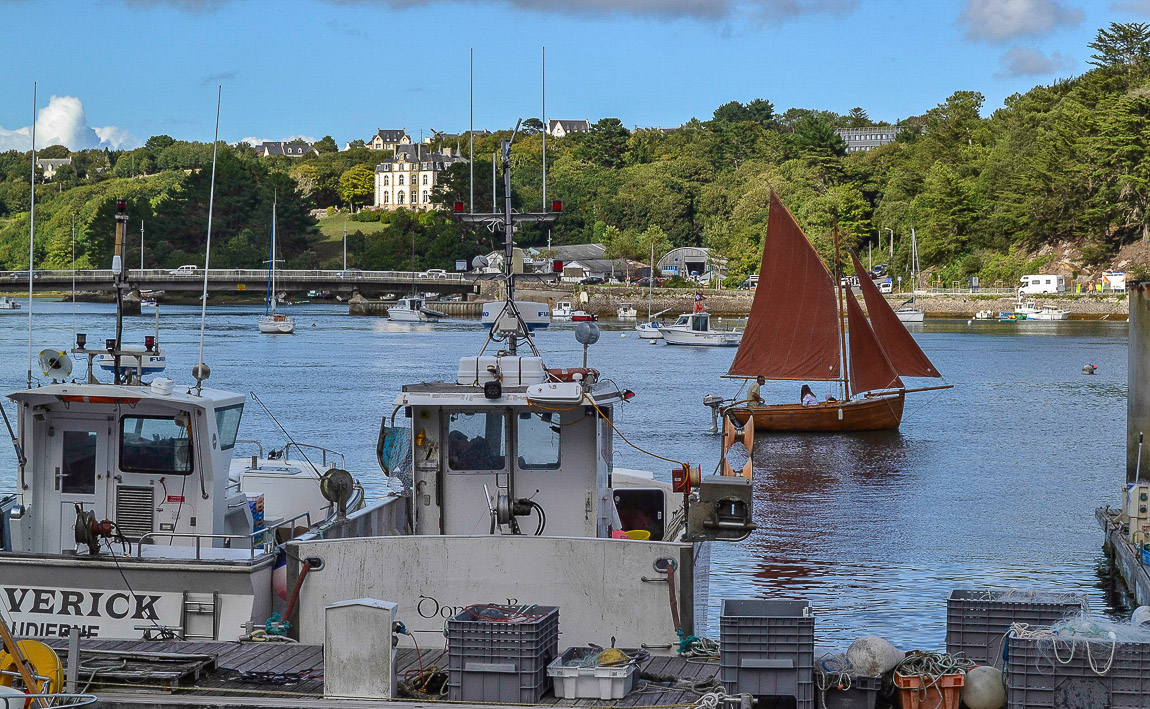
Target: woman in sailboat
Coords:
[[807, 396]]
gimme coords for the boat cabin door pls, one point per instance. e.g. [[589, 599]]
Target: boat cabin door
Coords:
[[78, 456]]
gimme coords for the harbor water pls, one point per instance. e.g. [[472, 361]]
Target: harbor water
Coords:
[[993, 483]]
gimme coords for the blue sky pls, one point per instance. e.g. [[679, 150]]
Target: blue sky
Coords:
[[136, 68]]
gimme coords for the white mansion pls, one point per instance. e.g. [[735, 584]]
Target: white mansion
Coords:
[[408, 178]]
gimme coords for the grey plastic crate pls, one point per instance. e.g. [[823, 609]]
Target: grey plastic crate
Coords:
[[862, 694], [1038, 678], [767, 648], [500, 653], [977, 620]]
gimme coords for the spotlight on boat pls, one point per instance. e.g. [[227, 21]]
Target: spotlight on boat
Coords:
[[110, 344], [81, 340], [201, 372]]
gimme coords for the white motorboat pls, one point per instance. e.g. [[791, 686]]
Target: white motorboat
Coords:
[[987, 315], [1029, 311], [649, 330], [562, 311], [149, 303], [694, 329], [626, 311], [910, 315], [7, 303], [414, 309], [271, 322], [510, 492]]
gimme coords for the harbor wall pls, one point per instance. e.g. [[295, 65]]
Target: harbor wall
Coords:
[[605, 301]]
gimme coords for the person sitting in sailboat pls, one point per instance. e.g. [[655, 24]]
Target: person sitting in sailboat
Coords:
[[807, 396], [753, 394]]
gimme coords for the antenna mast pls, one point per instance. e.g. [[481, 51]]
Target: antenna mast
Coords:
[[201, 371], [32, 236]]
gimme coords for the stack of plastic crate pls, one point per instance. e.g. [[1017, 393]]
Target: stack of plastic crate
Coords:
[[499, 653], [978, 620], [767, 649], [256, 504]]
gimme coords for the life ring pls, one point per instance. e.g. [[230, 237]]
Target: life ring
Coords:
[[568, 375], [44, 662]]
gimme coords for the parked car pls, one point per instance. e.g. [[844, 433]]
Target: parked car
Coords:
[[185, 270], [24, 274], [886, 287], [647, 281], [591, 281], [434, 273]]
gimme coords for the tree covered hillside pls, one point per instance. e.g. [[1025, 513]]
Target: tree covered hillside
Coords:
[[1058, 167]]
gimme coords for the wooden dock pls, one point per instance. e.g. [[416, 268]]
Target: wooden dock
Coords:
[[1125, 559], [290, 675]]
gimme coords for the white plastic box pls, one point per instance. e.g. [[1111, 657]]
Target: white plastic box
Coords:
[[613, 682]]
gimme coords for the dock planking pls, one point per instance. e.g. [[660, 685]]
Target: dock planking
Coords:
[[289, 674]]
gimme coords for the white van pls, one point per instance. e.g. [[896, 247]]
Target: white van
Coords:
[[1042, 283], [185, 270]]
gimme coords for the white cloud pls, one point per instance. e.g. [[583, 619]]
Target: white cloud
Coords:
[[1001, 20], [253, 141], [63, 122], [1023, 61]]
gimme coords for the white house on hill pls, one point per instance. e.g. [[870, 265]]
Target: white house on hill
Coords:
[[560, 128], [408, 178]]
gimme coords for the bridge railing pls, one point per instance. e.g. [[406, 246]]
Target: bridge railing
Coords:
[[237, 274]]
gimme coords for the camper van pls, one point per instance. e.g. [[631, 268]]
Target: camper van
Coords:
[[1042, 283]]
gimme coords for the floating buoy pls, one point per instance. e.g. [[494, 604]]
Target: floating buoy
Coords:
[[623, 334], [1141, 617], [969, 322], [653, 342], [1089, 368], [984, 688], [873, 655]]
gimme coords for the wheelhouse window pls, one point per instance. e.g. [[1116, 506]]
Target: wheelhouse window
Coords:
[[78, 469], [155, 444], [476, 441], [228, 425], [538, 441]]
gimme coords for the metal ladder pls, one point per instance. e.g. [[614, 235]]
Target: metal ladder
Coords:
[[200, 604]]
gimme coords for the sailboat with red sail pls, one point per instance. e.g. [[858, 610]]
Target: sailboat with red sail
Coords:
[[805, 325]]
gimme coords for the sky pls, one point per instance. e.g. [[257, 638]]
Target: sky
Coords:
[[111, 73]]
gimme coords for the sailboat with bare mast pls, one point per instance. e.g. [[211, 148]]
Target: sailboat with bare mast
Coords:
[[798, 330]]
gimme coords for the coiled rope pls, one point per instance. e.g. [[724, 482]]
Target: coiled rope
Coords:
[[931, 667], [1023, 631]]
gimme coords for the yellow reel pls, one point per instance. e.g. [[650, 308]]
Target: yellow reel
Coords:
[[43, 662]]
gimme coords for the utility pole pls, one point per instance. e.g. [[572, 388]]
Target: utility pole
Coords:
[[345, 246], [120, 280], [141, 244]]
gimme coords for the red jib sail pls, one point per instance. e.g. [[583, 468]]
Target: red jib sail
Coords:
[[871, 369], [904, 353], [792, 332]]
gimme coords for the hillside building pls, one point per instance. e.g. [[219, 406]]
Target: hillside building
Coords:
[[409, 177]]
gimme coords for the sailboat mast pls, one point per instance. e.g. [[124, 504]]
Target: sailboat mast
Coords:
[[274, 295], [842, 320], [651, 281]]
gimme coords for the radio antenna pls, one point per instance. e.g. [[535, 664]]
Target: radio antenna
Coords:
[[201, 371], [32, 236]]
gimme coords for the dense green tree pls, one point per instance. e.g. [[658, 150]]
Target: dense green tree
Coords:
[[53, 151], [606, 143], [1122, 45], [357, 184], [157, 143], [857, 118], [326, 144]]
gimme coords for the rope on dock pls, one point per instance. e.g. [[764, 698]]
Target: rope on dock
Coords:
[[1023, 631]]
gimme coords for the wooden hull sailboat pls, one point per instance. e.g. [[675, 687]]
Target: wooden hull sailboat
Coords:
[[798, 331], [878, 413]]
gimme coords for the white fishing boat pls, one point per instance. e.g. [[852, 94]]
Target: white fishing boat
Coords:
[[149, 303], [510, 493], [626, 311], [1029, 311], [649, 330], [562, 311], [129, 517], [694, 329], [414, 309], [271, 322], [7, 303]]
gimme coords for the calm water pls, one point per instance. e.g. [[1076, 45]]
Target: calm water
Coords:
[[993, 483]]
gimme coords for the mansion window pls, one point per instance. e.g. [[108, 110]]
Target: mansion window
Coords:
[[386, 181], [400, 180], [386, 198], [426, 197], [399, 197], [425, 179]]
